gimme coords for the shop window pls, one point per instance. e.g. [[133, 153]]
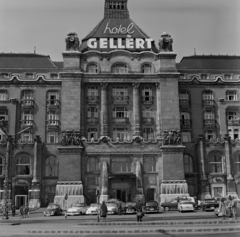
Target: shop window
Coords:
[[51, 167], [147, 68], [1, 166], [148, 134], [150, 194], [92, 164], [23, 165], [50, 192], [92, 134], [231, 95], [186, 136], [188, 164], [121, 165], [120, 69], [92, 68], [3, 95], [237, 163], [52, 137], [149, 164], [120, 134], [216, 163]]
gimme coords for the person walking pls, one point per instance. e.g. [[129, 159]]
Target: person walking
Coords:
[[139, 209], [26, 211], [223, 208], [103, 211], [232, 205], [21, 211], [13, 210]]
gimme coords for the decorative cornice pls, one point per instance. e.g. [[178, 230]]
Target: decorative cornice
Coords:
[[172, 149]]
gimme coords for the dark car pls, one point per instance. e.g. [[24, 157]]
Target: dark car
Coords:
[[210, 204], [151, 207], [53, 209], [130, 208], [173, 204]]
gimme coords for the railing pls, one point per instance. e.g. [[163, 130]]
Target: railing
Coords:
[[208, 103], [92, 99], [27, 122], [233, 122], [120, 99], [53, 122], [184, 103], [121, 120], [27, 102], [92, 120], [53, 103]]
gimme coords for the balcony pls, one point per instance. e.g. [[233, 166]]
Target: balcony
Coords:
[[147, 100], [208, 103], [123, 100], [92, 99], [53, 104], [210, 123], [185, 123], [26, 123], [148, 121], [92, 120], [121, 120], [53, 123], [233, 122], [27, 103], [184, 103]]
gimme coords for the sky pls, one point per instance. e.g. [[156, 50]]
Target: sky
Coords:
[[209, 26]]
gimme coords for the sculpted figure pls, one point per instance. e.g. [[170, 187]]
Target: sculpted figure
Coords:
[[64, 140], [165, 43], [72, 42], [178, 139]]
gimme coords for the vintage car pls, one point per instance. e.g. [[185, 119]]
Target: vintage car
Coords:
[[209, 204], [185, 205], [173, 204], [130, 208], [112, 208], [151, 207], [53, 209], [77, 209], [93, 209]]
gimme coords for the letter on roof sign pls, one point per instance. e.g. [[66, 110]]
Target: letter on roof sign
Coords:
[[103, 43], [120, 45], [92, 43], [140, 43], [111, 44], [119, 30], [129, 43], [149, 43]]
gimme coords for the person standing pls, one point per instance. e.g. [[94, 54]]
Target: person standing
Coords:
[[223, 208], [103, 211], [139, 209], [232, 207], [21, 211], [26, 211], [13, 210], [119, 208]]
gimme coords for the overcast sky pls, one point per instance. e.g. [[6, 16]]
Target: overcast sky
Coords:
[[210, 26]]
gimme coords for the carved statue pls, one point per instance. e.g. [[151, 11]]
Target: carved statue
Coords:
[[71, 138], [172, 137], [165, 43], [72, 42]]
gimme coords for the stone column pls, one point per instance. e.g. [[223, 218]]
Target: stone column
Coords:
[[136, 111], [35, 160], [82, 109], [139, 181], [104, 182], [158, 117], [205, 193], [104, 110]]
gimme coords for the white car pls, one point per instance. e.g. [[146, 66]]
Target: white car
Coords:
[[93, 209], [185, 206], [112, 208], [77, 209]]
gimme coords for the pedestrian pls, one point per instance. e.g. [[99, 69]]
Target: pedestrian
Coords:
[[13, 210], [21, 211], [139, 209], [103, 211], [26, 211], [232, 205], [223, 208], [119, 208]]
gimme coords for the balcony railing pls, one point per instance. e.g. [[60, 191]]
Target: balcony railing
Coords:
[[147, 99], [27, 103], [53, 123], [233, 122], [210, 123], [53, 104], [26, 122], [185, 123], [184, 103], [148, 121], [208, 103], [120, 99], [92, 120], [92, 99], [121, 120]]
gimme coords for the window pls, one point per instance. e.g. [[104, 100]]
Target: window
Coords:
[[92, 68], [204, 76], [149, 164], [5, 75], [231, 95], [147, 68], [92, 164], [120, 69], [27, 136], [208, 98], [186, 136], [209, 115], [27, 117], [92, 180], [148, 134], [120, 134], [188, 164], [54, 76], [210, 134], [183, 95], [215, 163], [233, 133], [217, 192], [92, 91], [53, 97], [1, 166], [120, 112], [231, 115], [227, 77], [51, 167], [29, 76], [92, 112], [120, 91], [237, 163], [147, 93], [185, 115], [121, 165], [53, 118], [23, 165], [2, 135], [52, 137], [3, 115], [3, 95], [92, 134], [147, 112], [27, 97]]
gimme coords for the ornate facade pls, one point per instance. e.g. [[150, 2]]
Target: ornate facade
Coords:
[[118, 118]]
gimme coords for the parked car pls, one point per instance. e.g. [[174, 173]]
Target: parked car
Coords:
[[77, 209], [209, 204], [151, 207], [112, 208], [53, 209], [93, 209], [130, 208], [173, 204], [185, 205]]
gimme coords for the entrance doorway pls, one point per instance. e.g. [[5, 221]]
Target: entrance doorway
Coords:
[[121, 195], [121, 191], [20, 200]]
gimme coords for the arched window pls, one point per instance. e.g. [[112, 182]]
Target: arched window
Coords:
[[146, 68], [121, 165], [149, 164], [148, 134], [120, 68], [188, 164], [23, 165], [237, 163], [51, 167], [1, 166], [215, 163], [92, 164], [92, 68]]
